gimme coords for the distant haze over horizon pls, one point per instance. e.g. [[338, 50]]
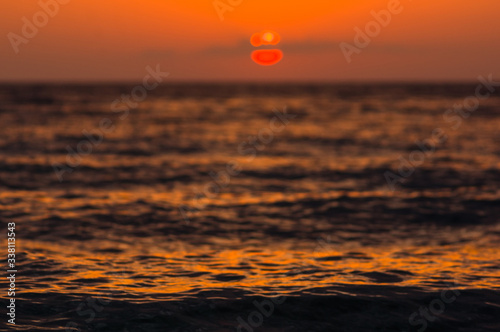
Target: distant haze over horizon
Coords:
[[351, 41]]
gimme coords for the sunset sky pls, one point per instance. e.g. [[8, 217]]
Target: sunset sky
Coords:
[[95, 40]]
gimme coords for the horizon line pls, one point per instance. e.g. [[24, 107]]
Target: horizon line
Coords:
[[258, 82]]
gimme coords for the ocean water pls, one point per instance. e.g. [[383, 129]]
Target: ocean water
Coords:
[[239, 207]]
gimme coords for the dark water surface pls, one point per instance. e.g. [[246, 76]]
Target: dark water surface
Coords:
[[309, 221]]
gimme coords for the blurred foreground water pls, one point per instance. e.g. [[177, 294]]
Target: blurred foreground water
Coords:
[[309, 220]]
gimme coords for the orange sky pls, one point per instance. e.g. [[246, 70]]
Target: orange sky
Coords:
[[115, 40]]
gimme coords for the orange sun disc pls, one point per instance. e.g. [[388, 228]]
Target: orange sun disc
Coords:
[[266, 37], [267, 57]]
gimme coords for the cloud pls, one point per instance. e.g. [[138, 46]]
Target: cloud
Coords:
[[307, 47], [243, 48], [157, 53]]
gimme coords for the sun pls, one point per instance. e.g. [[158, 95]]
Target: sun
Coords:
[[268, 37], [266, 57], [265, 37]]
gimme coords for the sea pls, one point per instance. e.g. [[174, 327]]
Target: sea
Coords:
[[251, 207]]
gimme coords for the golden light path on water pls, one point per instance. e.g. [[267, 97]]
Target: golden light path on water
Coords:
[[148, 268]]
